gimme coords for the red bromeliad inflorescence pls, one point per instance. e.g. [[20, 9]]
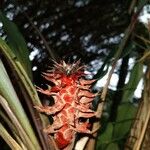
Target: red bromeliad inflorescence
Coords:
[[72, 101]]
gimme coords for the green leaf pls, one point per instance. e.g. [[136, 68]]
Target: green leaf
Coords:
[[105, 138], [17, 43], [23, 78], [8, 92], [7, 137], [125, 115], [135, 77], [112, 146]]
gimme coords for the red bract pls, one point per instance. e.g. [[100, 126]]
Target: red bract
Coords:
[[72, 97]]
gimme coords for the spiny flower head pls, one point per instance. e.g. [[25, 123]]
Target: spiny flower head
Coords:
[[73, 101]]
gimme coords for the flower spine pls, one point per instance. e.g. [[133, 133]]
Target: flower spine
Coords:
[[72, 101]]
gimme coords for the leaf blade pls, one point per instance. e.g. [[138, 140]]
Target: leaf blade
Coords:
[[17, 43]]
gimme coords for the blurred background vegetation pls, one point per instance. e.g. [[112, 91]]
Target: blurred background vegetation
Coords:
[[107, 35]]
